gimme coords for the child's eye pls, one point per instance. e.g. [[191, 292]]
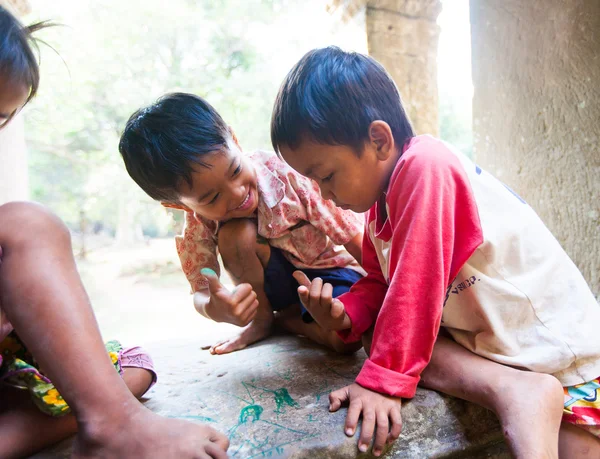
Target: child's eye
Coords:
[[212, 201], [237, 170], [328, 178]]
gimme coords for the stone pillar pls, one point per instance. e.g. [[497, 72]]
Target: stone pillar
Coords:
[[13, 162], [536, 112], [403, 36]]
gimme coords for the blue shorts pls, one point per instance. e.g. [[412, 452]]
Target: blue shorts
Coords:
[[282, 289]]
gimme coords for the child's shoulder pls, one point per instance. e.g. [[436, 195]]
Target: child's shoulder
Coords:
[[266, 158], [425, 155], [270, 165], [428, 151]]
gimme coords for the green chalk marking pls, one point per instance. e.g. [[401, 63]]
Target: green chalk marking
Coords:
[[207, 272]]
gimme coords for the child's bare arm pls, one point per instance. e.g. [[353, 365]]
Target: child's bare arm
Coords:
[[381, 415]]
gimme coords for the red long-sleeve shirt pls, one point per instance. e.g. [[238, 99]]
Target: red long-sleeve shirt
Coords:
[[417, 237]]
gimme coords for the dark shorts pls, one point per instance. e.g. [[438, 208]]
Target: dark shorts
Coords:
[[282, 289]]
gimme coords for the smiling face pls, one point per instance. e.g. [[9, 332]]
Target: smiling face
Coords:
[[350, 180], [227, 189], [12, 98]]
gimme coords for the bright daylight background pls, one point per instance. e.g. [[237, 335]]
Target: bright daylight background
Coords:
[[113, 56]]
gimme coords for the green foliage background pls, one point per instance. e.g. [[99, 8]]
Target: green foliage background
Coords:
[[113, 56]]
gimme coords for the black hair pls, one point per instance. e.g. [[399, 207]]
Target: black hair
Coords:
[[18, 62], [162, 142], [331, 97]]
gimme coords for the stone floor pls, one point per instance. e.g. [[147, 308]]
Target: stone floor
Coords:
[[271, 399]]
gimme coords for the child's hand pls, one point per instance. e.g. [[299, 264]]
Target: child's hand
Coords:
[[237, 307], [316, 297], [377, 409]]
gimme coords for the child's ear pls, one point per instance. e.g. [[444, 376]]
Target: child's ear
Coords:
[[234, 137], [381, 137], [172, 205]]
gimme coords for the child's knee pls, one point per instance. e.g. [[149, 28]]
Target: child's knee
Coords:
[[30, 222], [238, 244]]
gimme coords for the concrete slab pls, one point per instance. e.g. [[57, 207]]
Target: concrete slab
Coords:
[[272, 401]]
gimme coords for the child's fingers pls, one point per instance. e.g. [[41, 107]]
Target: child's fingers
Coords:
[[337, 399], [213, 280], [381, 434], [354, 410], [217, 452], [301, 278], [242, 292], [396, 427], [337, 309], [368, 426], [246, 310], [314, 292], [326, 296], [303, 294]]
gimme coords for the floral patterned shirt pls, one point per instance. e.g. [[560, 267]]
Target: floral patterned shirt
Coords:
[[291, 215]]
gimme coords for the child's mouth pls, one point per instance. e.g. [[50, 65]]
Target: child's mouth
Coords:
[[246, 203]]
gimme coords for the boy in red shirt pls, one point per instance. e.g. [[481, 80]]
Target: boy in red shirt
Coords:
[[446, 244]]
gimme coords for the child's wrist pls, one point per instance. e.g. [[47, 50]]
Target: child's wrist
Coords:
[[346, 322]]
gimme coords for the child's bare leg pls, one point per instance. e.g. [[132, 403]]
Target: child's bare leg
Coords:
[[24, 429], [291, 321], [42, 295], [245, 259], [576, 443], [529, 405]]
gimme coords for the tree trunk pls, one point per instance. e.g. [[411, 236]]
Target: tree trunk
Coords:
[[128, 231], [536, 109], [403, 36], [18, 7]]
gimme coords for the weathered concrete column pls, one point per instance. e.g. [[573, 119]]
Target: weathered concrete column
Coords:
[[536, 112], [272, 400], [14, 183], [403, 35]]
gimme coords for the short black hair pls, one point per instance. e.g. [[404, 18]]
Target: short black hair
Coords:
[[331, 97], [18, 62], [161, 143]]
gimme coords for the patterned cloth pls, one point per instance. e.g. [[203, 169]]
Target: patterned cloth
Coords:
[[582, 406], [292, 216], [5, 326], [19, 369]]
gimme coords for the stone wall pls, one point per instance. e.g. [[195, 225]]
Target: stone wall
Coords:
[[536, 109]]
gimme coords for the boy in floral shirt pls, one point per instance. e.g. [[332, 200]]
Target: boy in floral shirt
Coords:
[[263, 218]]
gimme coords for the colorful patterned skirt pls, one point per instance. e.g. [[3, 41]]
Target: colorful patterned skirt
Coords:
[[19, 369]]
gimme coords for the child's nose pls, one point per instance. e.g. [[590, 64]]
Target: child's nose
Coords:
[[326, 193]]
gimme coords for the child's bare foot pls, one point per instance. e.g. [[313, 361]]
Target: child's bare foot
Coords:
[[251, 333], [528, 404], [144, 434], [291, 321], [530, 407]]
